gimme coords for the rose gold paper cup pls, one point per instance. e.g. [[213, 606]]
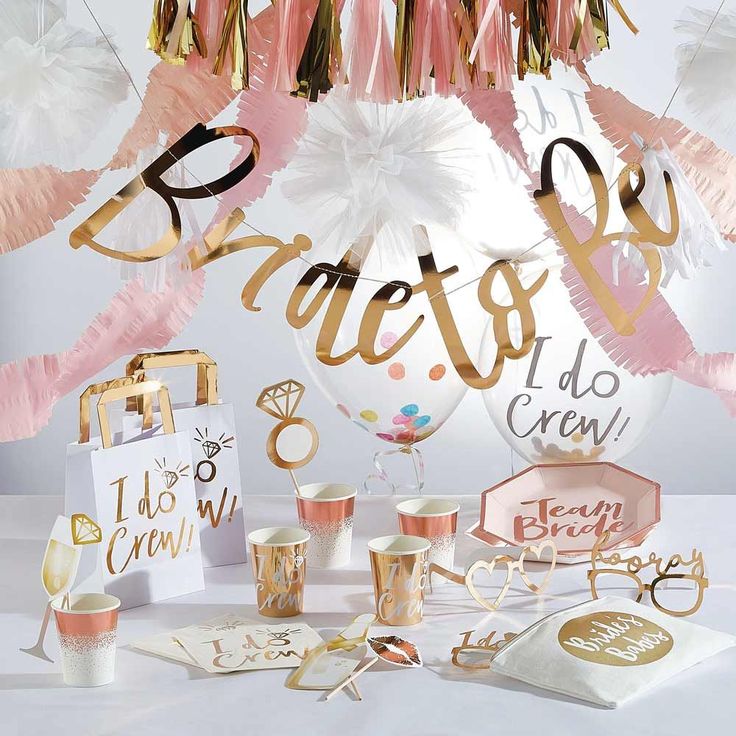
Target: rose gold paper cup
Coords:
[[87, 631], [326, 512], [399, 569], [279, 562], [434, 519]]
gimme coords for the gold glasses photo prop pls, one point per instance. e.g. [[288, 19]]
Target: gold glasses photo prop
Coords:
[[281, 401], [501, 562], [675, 593]]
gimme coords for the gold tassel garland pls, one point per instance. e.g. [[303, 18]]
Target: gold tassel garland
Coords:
[[322, 55], [234, 42], [174, 32], [535, 52]]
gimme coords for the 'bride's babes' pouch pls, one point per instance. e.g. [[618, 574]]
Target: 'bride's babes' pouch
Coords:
[[607, 651]]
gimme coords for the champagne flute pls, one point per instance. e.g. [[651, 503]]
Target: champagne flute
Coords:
[[58, 571]]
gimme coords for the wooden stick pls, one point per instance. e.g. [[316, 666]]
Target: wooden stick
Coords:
[[295, 482], [348, 680], [354, 687]]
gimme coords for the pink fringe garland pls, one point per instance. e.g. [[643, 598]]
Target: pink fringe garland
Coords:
[[34, 199], [710, 170], [135, 319]]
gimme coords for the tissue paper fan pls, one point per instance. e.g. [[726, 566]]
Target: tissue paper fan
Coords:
[[57, 88], [708, 81]]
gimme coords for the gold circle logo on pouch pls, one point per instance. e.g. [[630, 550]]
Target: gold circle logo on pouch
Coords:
[[614, 638]]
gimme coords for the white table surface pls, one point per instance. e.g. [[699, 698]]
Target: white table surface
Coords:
[[157, 696]]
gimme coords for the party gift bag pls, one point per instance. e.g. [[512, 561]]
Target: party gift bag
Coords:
[[141, 493], [606, 651], [214, 449]]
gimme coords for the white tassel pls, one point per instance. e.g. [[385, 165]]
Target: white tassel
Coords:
[[708, 81], [57, 86], [698, 236], [363, 168]]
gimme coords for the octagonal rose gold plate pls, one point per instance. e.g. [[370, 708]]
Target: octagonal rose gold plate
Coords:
[[570, 503]]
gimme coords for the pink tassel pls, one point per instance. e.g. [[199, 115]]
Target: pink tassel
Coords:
[[710, 170], [368, 58], [436, 53], [33, 200], [563, 15], [292, 28], [492, 49], [134, 320], [176, 99], [277, 121], [210, 15]]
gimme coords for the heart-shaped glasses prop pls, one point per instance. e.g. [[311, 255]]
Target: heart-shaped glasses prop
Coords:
[[506, 565], [675, 593], [281, 401], [60, 565]]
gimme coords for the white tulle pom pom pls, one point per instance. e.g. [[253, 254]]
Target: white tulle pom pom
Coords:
[[57, 86], [363, 167], [708, 80]]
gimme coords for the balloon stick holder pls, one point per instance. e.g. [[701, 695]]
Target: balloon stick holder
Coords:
[[389, 480]]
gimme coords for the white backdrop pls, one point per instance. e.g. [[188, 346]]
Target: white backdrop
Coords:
[[49, 293]]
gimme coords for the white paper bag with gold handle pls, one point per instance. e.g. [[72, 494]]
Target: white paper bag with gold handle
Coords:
[[211, 425], [141, 493]]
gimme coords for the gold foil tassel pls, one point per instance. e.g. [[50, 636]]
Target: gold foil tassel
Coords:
[[599, 17], [466, 18], [404, 45], [535, 53], [234, 41], [322, 55], [598, 14], [174, 32]]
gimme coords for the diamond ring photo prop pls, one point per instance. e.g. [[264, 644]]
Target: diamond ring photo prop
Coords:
[[281, 401], [84, 530]]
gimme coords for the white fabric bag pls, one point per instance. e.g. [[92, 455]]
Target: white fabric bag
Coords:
[[141, 494], [214, 447], [607, 651]]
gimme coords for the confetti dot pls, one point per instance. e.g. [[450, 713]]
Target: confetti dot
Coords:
[[401, 419], [388, 339], [396, 371], [577, 437], [410, 410], [385, 436], [407, 435], [422, 421], [369, 415], [436, 372], [343, 410]]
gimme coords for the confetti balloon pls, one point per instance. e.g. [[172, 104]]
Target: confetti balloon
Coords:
[[408, 397], [566, 401]]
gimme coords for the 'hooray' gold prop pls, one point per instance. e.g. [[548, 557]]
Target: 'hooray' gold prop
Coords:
[[338, 280]]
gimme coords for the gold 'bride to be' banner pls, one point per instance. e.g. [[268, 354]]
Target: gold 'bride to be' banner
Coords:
[[339, 280]]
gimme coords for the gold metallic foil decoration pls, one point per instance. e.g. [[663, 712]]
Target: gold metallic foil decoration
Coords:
[[174, 32], [322, 55], [206, 372], [85, 530], [404, 45], [281, 401], [492, 604], [151, 178], [485, 645], [675, 593], [535, 51], [234, 44], [581, 253]]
